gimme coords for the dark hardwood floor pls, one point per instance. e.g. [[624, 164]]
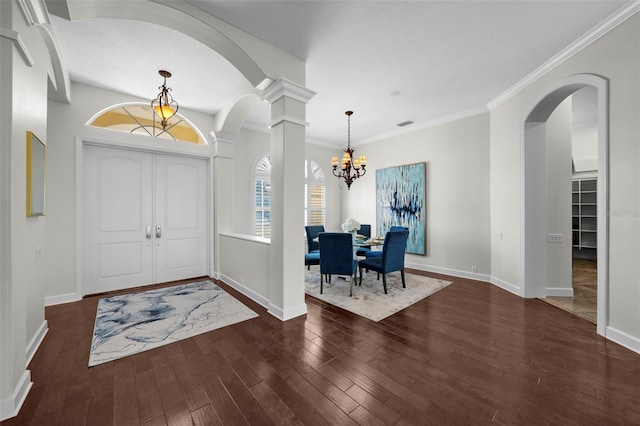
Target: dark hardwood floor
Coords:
[[471, 354]]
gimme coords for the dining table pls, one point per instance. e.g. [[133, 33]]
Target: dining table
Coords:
[[368, 242], [362, 241]]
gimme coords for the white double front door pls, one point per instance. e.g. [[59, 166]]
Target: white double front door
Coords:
[[145, 218]]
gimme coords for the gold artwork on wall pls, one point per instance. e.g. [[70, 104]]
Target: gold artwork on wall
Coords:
[[36, 171]]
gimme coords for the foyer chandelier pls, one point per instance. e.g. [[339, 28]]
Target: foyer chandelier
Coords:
[[350, 168], [164, 105]]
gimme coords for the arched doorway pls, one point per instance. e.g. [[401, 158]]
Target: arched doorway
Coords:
[[534, 243]]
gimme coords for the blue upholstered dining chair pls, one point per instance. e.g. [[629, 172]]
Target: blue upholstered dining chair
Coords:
[[312, 257], [336, 257], [312, 232], [392, 258], [366, 231], [378, 253]]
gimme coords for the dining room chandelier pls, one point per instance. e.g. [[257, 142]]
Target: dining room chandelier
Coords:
[[350, 168], [164, 105]]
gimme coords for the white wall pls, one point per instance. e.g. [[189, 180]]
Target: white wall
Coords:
[[457, 192], [584, 138], [322, 155], [558, 189], [615, 56], [244, 264], [24, 108], [251, 144], [585, 148]]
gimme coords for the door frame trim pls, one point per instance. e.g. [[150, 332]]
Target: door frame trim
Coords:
[[193, 151], [539, 113]]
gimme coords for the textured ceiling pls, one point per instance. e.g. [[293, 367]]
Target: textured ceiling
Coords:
[[389, 61]]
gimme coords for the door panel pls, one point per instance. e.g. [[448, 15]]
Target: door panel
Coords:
[[117, 194], [129, 257], [181, 206], [127, 191], [121, 179]]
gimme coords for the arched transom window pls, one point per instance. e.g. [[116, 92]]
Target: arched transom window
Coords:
[[314, 188], [140, 119]]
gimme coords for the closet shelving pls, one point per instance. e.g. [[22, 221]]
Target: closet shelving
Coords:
[[584, 210]]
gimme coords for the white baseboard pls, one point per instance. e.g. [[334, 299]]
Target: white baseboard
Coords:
[[623, 339], [559, 292], [511, 288], [284, 315], [62, 298], [10, 407], [276, 311], [36, 340], [445, 271], [256, 297]]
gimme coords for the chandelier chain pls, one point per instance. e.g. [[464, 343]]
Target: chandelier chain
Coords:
[[349, 131]]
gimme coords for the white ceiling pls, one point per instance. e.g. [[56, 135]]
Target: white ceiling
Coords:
[[388, 61]]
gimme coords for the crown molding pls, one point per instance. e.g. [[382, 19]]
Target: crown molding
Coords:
[[615, 19], [223, 137], [17, 41], [34, 12], [284, 87]]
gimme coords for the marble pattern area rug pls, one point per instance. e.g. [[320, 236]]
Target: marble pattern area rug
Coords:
[[137, 322], [369, 300]]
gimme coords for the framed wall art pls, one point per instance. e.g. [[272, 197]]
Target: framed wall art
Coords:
[[400, 201], [36, 167]]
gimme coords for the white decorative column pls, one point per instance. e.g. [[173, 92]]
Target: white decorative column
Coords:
[[286, 276], [223, 163]]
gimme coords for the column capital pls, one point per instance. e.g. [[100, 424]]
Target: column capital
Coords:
[[226, 137], [284, 87], [223, 145]]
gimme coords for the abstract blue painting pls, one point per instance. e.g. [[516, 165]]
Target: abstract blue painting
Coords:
[[400, 199]]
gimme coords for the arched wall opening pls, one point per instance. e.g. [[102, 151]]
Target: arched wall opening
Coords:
[[534, 199]]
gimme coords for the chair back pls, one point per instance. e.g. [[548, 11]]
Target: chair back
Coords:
[[312, 232], [398, 228], [365, 230], [395, 244], [336, 253]]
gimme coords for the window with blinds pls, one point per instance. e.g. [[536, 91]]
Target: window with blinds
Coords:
[[314, 191], [262, 205], [315, 196]]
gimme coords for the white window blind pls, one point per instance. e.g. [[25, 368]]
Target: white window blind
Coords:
[[315, 196], [262, 195]]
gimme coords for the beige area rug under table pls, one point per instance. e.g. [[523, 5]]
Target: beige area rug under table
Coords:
[[369, 300]]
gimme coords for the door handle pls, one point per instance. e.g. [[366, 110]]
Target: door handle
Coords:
[[148, 231], [158, 231]]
